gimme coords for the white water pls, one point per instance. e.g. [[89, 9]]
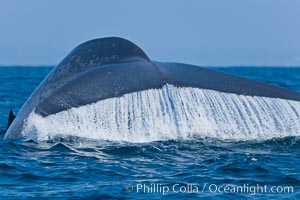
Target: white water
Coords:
[[172, 113]]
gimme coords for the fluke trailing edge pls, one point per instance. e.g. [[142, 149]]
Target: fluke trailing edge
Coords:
[[111, 67]]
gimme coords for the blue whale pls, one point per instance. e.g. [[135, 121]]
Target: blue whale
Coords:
[[111, 67]]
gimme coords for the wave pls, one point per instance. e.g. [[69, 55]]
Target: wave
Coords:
[[172, 113]]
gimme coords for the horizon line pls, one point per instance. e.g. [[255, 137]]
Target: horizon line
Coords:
[[45, 65]]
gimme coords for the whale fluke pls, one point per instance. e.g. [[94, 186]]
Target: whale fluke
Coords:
[[11, 118], [113, 67]]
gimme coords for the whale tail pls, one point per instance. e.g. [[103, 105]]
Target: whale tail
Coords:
[[114, 71], [11, 118]]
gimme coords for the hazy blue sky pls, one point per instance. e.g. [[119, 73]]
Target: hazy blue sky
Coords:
[[211, 32]]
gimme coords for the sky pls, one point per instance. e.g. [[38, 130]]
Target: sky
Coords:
[[205, 33]]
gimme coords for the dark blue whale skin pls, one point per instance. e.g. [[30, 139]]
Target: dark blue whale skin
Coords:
[[111, 67]]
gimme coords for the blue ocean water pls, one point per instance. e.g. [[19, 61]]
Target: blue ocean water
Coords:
[[73, 168]]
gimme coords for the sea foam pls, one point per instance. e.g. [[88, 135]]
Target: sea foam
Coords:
[[172, 113]]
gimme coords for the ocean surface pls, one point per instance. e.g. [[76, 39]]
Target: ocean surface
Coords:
[[263, 167]]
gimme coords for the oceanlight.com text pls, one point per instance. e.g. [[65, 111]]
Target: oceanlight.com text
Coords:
[[165, 189]]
